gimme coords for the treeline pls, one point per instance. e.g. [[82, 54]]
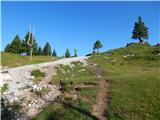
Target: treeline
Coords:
[[21, 47]]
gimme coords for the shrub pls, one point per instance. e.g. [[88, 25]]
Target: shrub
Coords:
[[4, 88], [37, 73]]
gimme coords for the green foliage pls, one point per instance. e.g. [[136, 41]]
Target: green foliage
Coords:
[[140, 31], [15, 46], [37, 73], [40, 52], [54, 54], [67, 54], [47, 49], [26, 48], [6, 49], [157, 49], [4, 88], [65, 107], [38, 76], [75, 53], [97, 45], [134, 88]]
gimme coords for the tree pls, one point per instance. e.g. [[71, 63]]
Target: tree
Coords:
[[54, 54], [24, 47], [47, 49], [35, 48], [6, 49], [140, 31], [67, 54], [97, 45], [75, 52], [15, 46], [39, 50]]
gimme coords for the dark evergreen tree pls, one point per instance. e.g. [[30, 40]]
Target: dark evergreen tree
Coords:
[[15, 46], [47, 49], [97, 45], [54, 54], [26, 48], [35, 48], [6, 49], [67, 54], [75, 52], [140, 31], [39, 51]]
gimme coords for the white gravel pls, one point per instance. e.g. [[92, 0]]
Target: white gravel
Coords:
[[19, 77]]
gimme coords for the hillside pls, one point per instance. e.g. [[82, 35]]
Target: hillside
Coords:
[[14, 60], [118, 84], [133, 73]]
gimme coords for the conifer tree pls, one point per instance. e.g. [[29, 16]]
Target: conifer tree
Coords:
[[140, 31], [47, 49], [15, 46], [6, 49], [97, 45], [39, 51], [75, 52], [54, 54], [67, 54]]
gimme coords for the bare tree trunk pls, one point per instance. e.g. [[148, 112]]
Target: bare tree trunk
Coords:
[[141, 41], [31, 54]]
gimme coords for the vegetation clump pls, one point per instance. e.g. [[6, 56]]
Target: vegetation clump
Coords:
[[4, 88], [38, 76]]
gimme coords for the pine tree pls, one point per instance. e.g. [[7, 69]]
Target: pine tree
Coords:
[[26, 48], [97, 45], [39, 51], [67, 54], [47, 49], [54, 54], [6, 49], [75, 52], [140, 31], [15, 46], [35, 48]]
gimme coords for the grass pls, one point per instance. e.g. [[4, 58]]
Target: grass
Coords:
[[14, 60], [38, 76], [134, 81], [72, 104], [4, 88]]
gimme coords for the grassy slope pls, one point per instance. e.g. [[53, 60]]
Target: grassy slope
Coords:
[[14, 60], [78, 103], [135, 82]]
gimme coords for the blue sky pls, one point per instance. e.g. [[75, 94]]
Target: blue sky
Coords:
[[78, 24]]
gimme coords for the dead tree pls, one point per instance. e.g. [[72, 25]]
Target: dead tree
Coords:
[[30, 41]]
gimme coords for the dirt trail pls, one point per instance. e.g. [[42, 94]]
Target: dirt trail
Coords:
[[99, 109]]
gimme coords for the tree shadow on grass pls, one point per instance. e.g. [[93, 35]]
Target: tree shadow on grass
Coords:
[[80, 110]]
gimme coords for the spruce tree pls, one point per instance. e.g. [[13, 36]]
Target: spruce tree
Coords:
[[54, 54], [47, 49], [67, 54], [15, 46], [39, 51], [6, 49], [75, 52], [25, 47], [140, 31], [97, 45]]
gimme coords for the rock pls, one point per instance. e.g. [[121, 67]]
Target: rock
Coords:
[[82, 70]]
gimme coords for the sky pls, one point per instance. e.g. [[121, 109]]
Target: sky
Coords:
[[78, 24]]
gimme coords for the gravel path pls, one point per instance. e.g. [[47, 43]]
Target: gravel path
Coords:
[[19, 77]]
